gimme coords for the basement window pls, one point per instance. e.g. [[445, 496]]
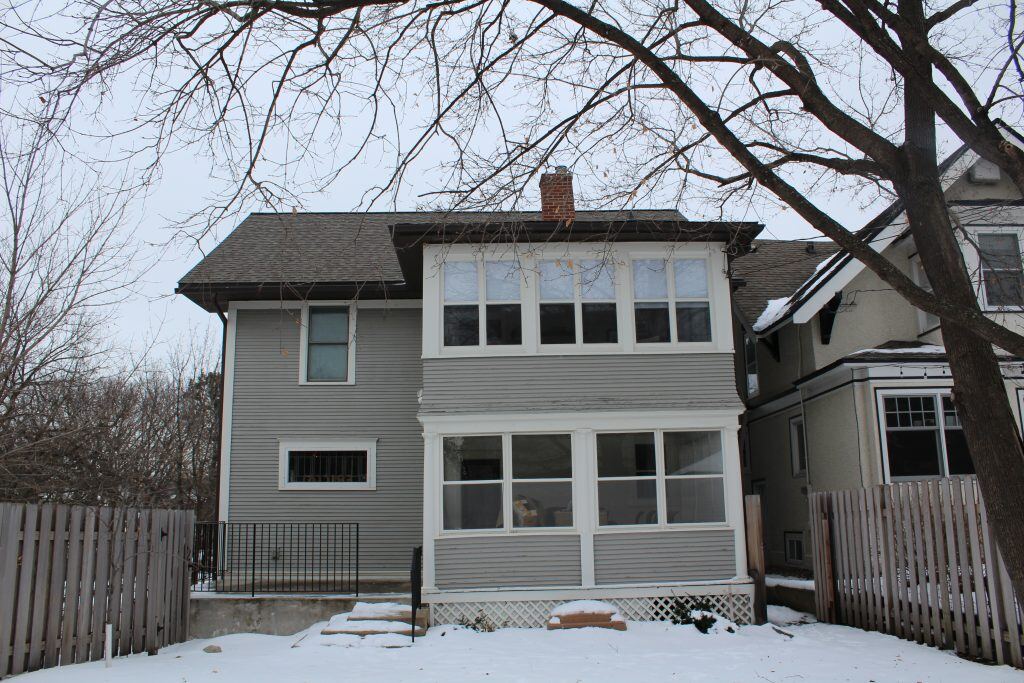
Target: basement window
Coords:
[[328, 465]]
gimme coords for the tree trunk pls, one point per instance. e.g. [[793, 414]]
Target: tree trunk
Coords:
[[979, 391]]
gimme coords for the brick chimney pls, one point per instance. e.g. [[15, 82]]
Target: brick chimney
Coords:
[[556, 200]]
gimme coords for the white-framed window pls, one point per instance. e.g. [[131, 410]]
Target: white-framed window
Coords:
[[482, 303], [660, 478], [329, 465], [577, 302], [797, 446], [1001, 269], [327, 349], [921, 435], [671, 301], [506, 482], [750, 362], [925, 321], [793, 542]]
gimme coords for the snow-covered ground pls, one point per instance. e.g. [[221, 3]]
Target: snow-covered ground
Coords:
[[647, 651]]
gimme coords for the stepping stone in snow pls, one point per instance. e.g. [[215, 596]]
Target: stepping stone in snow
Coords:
[[586, 614]]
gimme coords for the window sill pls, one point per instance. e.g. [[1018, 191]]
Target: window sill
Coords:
[[651, 528], [306, 383], [499, 533], [326, 487]]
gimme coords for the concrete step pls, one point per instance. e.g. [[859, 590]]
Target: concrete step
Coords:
[[340, 625], [387, 611]]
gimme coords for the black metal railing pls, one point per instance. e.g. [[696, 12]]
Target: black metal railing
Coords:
[[416, 585], [276, 557]]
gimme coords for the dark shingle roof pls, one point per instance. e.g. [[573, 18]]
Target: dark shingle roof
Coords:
[[774, 269], [344, 247]]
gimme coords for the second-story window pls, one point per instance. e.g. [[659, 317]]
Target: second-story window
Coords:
[[671, 305], [1002, 272], [502, 314], [327, 344], [577, 302]]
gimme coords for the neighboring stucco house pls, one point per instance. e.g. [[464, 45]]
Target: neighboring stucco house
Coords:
[[849, 384], [545, 401]]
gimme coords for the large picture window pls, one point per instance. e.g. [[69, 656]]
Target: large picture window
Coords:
[[671, 300], [923, 436], [503, 481], [327, 344], [650, 478]]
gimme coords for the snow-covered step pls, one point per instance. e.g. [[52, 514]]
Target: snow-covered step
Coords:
[[386, 611], [586, 614], [343, 624]]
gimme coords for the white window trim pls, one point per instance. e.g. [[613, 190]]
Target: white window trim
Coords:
[[618, 254], [506, 482], [304, 346], [976, 233], [661, 480], [368, 445], [938, 393], [794, 451], [786, 536], [671, 298]]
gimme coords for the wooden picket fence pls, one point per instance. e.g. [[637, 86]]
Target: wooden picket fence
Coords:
[[916, 560], [67, 571]]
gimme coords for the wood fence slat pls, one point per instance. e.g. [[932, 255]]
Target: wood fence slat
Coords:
[[892, 607], [963, 555], [23, 613], [817, 554], [58, 579], [931, 573], [991, 584], [141, 578], [945, 638], [83, 631], [955, 583], [102, 590], [170, 588], [1011, 614], [10, 529], [867, 575], [44, 554], [856, 594], [903, 629], [125, 623], [874, 575], [837, 526], [915, 573], [67, 639], [153, 585], [184, 607], [849, 599], [981, 609], [117, 562]]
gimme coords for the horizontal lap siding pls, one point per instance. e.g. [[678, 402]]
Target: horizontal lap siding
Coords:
[[462, 563], [648, 557], [269, 405], [598, 382]]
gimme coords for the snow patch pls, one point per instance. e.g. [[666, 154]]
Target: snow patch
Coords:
[[789, 582], [772, 313], [785, 616], [584, 607], [926, 349], [380, 609]]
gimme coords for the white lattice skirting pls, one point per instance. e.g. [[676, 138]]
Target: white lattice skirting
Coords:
[[534, 613]]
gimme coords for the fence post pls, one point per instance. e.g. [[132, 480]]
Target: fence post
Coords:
[[755, 555]]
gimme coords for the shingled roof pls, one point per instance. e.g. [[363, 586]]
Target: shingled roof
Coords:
[[269, 254], [774, 269]]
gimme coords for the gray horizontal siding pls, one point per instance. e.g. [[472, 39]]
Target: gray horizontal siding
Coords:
[[461, 563], [648, 557], [270, 405], [598, 382]]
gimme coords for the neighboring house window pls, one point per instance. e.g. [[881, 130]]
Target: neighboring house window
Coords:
[[575, 297], [671, 305], [923, 436], [1002, 272], [684, 469], [327, 344], [926, 321], [499, 306], [750, 360], [794, 544], [797, 446], [533, 470], [328, 465]]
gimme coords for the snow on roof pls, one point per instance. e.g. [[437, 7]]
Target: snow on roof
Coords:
[[923, 350], [775, 310]]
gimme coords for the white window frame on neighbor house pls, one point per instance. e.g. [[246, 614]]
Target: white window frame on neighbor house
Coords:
[[507, 481], [304, 343], [788, 536], [977, 232], [937, 393], [797, 438], [285, 446], [619, 256]]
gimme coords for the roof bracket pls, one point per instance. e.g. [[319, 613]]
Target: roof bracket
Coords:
[[827, 318], [772, 342]]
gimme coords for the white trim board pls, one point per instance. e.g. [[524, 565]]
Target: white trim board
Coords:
[[226, 413]]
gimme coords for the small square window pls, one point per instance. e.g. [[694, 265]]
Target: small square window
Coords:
[[794, 542]]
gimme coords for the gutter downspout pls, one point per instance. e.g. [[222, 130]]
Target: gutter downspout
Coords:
[[220, 413]]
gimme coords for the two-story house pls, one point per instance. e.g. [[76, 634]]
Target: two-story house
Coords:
[[848, 384], [545, 401]]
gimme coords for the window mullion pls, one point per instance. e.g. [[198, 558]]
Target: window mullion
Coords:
[[659, 469], [506, 481]]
